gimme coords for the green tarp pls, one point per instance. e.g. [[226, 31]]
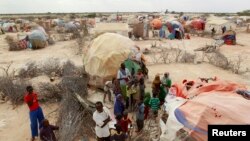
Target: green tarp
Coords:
[[131, 64]]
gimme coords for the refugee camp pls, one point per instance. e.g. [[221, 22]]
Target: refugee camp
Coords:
[[117, 70]]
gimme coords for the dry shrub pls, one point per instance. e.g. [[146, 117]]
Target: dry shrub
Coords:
[[30, 70], [183, 135], [172, 55], [50, 92], [13, 89], [73, 115], [50, 66], [187, 57], [75, 121], [235, 66], [217, 59]]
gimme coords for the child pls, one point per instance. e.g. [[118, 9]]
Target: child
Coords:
[[140, 116], [117, 134], [47, 131], [154, 104], [125, 121]]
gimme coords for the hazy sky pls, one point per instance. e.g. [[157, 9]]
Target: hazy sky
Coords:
[[39, 6]]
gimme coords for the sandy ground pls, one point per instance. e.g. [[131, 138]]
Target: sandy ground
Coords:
[[14, 123]]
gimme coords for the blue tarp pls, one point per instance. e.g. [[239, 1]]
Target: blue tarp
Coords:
[[182, 119]]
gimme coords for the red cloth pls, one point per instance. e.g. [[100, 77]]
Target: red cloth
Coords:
[[124, 124], [22, 44], [31, 98]]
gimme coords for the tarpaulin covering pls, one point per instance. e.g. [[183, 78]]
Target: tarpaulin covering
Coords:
[[38, 35], [213, 103], [131, 64]]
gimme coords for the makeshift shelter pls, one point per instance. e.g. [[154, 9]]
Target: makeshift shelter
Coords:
[[219, 23], [176, 30], [156, 24], [202, 105], [58, 22], [9, 27], [141, 30], [105, 55], [71, 26], [119, 28], [38, 38], [198, 24], [229, 37]]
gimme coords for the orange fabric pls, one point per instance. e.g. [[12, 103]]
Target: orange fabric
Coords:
[[180, 90], [215, 103], [156, 24]]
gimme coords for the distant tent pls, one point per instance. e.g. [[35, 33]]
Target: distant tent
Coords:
[[10, 27], [71, 26], [198, 24], [176, 30], [38, 38], [156, 24]]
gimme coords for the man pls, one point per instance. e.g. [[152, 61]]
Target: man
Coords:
[[47, 131], [36, 113], [140, 116], [102, 117], [123, 76]]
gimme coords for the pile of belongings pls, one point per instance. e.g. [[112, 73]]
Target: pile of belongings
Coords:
[[15, 43], [193, 105], [229, 37], [176, 30], [107, 52]]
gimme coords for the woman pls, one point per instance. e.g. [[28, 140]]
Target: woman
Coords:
[[156, 84]]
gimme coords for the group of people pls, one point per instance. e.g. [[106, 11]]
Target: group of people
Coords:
[[37, 120], [129, 93]]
